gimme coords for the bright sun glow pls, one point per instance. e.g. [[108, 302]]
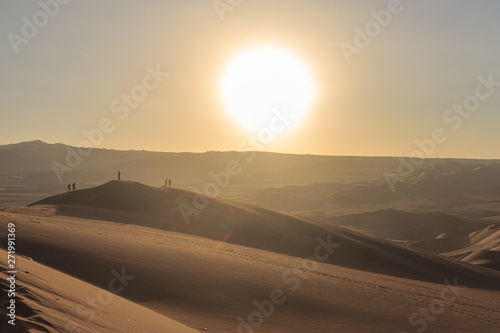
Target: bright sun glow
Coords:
[[263, 80]]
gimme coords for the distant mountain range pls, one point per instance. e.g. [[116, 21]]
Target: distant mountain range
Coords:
[[35, 169]]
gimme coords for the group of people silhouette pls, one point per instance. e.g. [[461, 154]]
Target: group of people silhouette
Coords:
[[72, 186]]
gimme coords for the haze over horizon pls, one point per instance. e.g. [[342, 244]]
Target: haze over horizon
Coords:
[[375, 93], [405, 158]]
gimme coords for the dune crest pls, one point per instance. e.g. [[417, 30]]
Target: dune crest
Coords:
[[252, 226]]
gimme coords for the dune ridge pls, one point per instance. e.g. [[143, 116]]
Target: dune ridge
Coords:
[[260, 228]]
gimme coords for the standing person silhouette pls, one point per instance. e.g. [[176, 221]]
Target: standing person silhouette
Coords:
[[69, 187], [74, 186], [170, 183], [119, 175], [166, 182]]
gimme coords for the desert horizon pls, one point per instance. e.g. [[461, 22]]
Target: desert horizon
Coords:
[[285, 242], [231, 166]]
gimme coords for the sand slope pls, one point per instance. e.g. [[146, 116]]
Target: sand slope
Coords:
[[484, 248], [265, 229], [404, 226], [468, 241], [214, 286], [50, 301]]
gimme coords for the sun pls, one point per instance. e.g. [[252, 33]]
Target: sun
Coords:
[[261, 81]]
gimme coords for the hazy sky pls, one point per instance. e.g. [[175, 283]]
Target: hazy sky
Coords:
[[66, 76]]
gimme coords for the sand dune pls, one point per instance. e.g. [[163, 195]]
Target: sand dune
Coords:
[[484, 248], [50, 301], [233, 268], [213, 286], [434, 232], [260, 228], [404, 226], [468, 241]]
